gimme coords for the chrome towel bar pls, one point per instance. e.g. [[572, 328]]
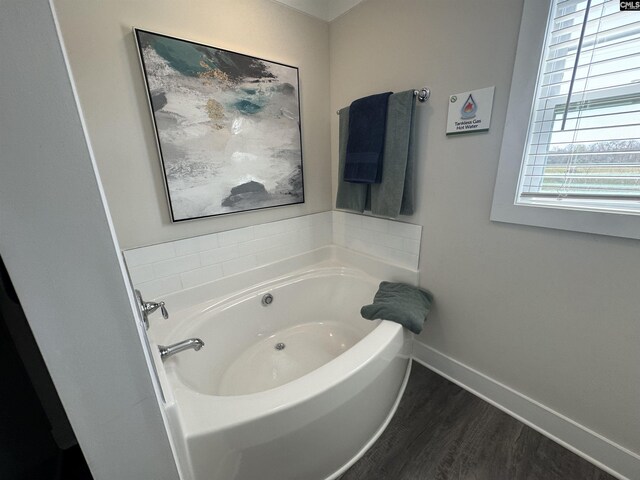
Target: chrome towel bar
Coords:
[[423, 95]]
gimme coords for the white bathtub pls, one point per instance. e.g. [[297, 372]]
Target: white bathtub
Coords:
[[242, 409]]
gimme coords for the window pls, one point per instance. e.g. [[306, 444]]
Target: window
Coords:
[[577, 167]]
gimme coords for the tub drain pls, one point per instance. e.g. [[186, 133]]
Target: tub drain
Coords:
[[267, 300], [280, 346]]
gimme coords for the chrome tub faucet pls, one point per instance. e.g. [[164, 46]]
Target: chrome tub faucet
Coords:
[[191, 343]]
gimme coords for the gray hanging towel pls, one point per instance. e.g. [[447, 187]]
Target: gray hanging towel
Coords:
[[367, 120], [351, 196], [394, 195], [408, 195]]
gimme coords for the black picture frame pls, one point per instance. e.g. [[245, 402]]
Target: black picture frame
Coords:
[[227, 127]]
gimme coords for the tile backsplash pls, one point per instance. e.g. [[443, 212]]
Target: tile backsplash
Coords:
[[173, 266], [396, 242]]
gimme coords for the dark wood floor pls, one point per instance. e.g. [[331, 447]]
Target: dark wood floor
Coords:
[[442, 432]]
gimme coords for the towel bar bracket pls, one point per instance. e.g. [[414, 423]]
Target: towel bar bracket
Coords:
[[423, 95]]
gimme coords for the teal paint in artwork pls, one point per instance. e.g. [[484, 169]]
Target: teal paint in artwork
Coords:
[[245, 106], [183, 57], [191, 59]]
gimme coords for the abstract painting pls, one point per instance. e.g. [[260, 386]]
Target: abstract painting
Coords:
[[227, 127]]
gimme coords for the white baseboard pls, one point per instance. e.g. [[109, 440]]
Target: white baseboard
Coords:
[[610, 457]]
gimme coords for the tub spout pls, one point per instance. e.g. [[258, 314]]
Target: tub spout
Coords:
[[167, 351]]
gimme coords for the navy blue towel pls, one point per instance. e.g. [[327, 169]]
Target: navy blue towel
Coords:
[[367, 119]]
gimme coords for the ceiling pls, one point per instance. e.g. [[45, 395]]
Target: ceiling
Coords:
[[326, 10]]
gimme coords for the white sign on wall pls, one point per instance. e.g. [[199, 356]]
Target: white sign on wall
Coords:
[[470, 111]]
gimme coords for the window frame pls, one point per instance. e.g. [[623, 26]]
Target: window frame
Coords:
[[505, 208]]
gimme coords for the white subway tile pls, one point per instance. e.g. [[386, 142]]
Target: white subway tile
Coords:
[[201, 275], [329, 223], [339, 234], [306, 234], [403, 258], [155, 289], [151, 254], [219, 255], [274, 254], [235, 236], [297, 249], [411, 246], [262, 244], [322, 237], [287, 238], [238, 265], [356, 244], [289, 225], [339, 217], [406, 230], [253, 246], [282, 252], [142, 273], [306, 242], [366, 235], [196, 244], [322, 218], [375, 224], [353, 231], [268, 229], [379, 251], [169, 267], [323, 228], [353, 219], [305, 221], [176, 265], [326, 234], [389, 240]]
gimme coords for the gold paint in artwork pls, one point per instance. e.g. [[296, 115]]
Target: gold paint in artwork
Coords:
[[215, 110], [214, 74]]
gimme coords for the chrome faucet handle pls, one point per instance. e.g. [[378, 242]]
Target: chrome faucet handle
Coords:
[[153, 306], [147, 308]]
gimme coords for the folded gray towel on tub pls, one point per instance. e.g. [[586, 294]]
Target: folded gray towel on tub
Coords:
[[400, 303]]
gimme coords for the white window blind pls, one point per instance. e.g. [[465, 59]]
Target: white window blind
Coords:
[[583, 143]]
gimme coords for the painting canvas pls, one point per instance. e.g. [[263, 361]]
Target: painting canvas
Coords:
[[227, 127]]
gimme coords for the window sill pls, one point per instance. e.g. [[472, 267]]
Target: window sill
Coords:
[[601, 223]]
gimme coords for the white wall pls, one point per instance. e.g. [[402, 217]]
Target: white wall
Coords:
[[60, 250], [553, 314], [104, 63]]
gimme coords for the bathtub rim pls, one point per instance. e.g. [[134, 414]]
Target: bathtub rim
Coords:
[[329, 255], [193, 321], [166, 332], [185, 303]]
